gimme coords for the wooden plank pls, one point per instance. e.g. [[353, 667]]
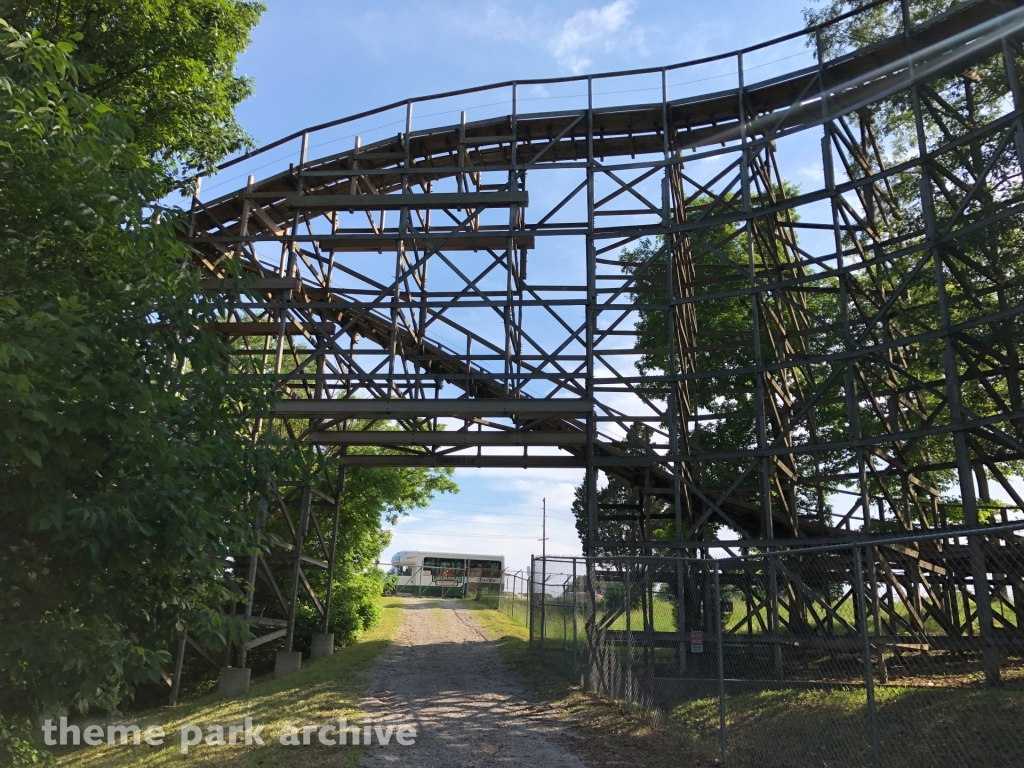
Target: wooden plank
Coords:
[[265, 638], [291, 328], [312, 593], [487, 139], [265, 219], [424, 242], [471, 460], [306, 559], [378, 156], [448, 438], [403, 200], [393, 409], [924, 564], [259, 285], [202, 652]]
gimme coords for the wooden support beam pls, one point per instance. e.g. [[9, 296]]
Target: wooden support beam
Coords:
[[396, 202], [399, 409], [441, 241], [250, 284], [202, 652], [470, 460], [448, 438], [292, 327], [265, 638]]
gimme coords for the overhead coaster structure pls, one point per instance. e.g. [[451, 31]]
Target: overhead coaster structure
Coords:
[[821, 353]]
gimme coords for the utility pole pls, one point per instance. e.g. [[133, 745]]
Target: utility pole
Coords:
[[543, 570]]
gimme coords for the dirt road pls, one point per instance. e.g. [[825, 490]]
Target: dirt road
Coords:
[[444, 676]]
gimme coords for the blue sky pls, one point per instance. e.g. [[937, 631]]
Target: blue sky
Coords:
[[315, 60]]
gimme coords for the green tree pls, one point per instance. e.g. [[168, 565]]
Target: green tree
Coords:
[[972, 174], [170, 63], [622, 515], [130, 486], [125, 476], [977, 176], [372, 495], [722, 317]]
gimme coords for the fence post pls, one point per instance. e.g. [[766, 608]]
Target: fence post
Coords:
[[629, 641], [529, 594], [869, 680], [593, 657], [543, 601], [575, 648], [773, 615], [565, 625], [515, 587], [721, 664], [883, 673], [681, 612]]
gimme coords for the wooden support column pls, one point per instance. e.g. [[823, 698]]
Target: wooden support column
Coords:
[[965, 475], [300, 538], [179, 662], [339, 491], [259, 516]]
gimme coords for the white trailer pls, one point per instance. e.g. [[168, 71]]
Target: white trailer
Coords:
[[446, 574]]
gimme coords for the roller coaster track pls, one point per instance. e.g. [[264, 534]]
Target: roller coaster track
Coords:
[[336, 305]]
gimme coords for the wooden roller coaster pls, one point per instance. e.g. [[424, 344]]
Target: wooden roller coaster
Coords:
[[787, 365]]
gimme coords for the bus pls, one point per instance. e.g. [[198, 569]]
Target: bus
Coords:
[[446, 574]]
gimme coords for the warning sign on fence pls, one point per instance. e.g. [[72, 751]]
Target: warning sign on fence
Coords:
[[696, 642]]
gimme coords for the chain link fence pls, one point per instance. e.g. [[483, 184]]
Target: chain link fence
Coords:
[[900, 651], [514, 598]]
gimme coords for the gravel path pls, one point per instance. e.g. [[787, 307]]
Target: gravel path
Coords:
[[444, 675]]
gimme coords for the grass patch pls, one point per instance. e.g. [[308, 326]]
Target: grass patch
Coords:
[[437, 615], [611, 734], [319, 694], [917, 726]]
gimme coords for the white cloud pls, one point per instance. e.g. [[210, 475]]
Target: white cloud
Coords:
[[813, 171], [606, 27]]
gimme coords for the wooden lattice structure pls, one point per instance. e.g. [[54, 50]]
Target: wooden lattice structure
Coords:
[[880, 342]]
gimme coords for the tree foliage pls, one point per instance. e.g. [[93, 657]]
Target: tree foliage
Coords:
[[626, 511], [983, 267], [169, 63], [372, 494], [974, 172], [130, 485], [123, 469]]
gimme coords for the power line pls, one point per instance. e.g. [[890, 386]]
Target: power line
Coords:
[[427, 516], [556, 529], [500, 506], [482, 522], [486, 536]]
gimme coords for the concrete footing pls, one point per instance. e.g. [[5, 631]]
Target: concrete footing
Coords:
[[323, 645], [287, 663], [234, 682]]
